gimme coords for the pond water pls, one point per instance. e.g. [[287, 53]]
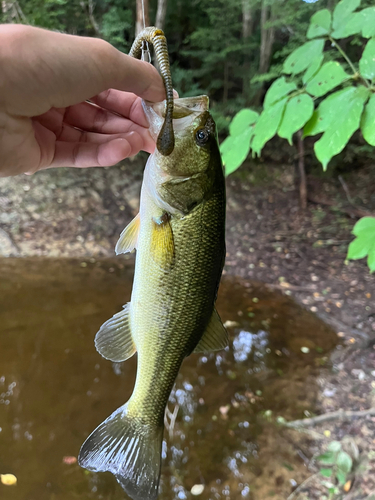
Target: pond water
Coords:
[[55, 388]]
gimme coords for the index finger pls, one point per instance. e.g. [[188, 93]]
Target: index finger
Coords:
[[123, 103]]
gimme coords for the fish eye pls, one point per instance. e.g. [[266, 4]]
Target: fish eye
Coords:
[[202, 136]]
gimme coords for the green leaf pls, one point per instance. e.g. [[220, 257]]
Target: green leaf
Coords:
[[342, 127], [359, 248], [330, 75], [364, 225], [344, 462], [242, 120], [326, 472], [334, 446], [368, 20], [279, 89], [301, 58], [297, 112], [367, 61], [351, 25], [368, 121], [267, 125], [371, 259], [234, 150], [328, 458], [342, 10], [312, 69], [320, 24], [327, 112], [364, 244], [341, 477]]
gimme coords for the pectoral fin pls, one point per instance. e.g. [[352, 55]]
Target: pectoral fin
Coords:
[[129, 237], [114, 340], [215, 336], [162, 245]]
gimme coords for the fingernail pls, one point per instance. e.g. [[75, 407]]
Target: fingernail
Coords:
[[175, 94]]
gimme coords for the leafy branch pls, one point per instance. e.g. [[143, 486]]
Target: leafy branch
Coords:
[[309, 94], [289, 103]]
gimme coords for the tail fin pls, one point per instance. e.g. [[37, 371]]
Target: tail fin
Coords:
[[131, 450]]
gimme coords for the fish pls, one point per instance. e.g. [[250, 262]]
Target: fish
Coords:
[[179, 237]]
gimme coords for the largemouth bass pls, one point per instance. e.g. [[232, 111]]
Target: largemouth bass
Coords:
[[179, 237]]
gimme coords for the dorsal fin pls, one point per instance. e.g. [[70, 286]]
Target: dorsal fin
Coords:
[[129, 237], [114, 339], [215, 336]]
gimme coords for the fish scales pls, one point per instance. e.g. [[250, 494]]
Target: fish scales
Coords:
[[179, 237], [180, 302]]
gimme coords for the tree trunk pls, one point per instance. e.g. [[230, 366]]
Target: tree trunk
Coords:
[[247, 31], [301, 170], [247, 19], [94, 24], [267, 35], [226, 82], [142, 16], [160, 14], [12, 12]]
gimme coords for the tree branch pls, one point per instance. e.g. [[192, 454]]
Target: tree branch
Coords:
[[326, 417]]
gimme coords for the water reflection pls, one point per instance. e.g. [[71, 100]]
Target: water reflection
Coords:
[[220, 443]]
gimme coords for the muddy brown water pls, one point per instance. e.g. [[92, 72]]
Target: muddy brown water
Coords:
[[55, 388]]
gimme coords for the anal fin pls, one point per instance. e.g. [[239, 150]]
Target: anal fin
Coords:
[[129, 237], [215, 336], [114, 340]]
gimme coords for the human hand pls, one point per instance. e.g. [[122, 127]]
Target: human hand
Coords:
[[45, 121]]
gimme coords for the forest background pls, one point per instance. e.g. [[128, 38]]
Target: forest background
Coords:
[[231, 50]]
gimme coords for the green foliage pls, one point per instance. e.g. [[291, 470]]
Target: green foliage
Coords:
[[244, 118], [279, 89], [288, 104], [238, 142], [267, 125], [343, 94], [342, 127], [117, 25], [368, 22], [329, 76], [367, 61], [368, 121], [312, 69], [364, 243], [341, 465], [320, 24], [297, 111], [326, 113], [300, 59], [345, 21], [343, 11]]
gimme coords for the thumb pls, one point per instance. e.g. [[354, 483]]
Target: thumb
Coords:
[[62, 70]]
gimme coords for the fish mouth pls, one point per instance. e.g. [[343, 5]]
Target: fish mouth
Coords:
[[183, 106], [185, 111]]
